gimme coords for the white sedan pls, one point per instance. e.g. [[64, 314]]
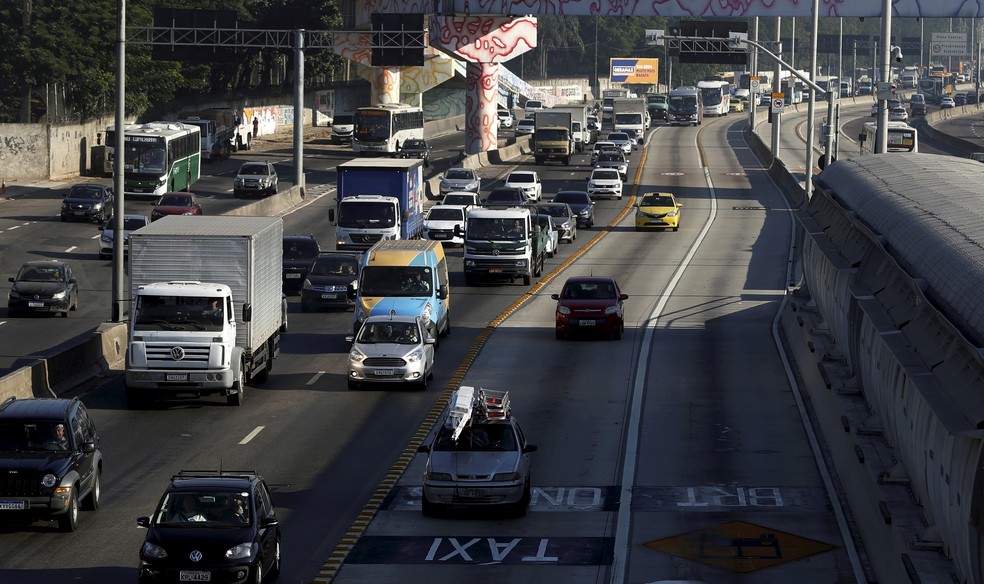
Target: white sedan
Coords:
[[898, 114], [441, 221]]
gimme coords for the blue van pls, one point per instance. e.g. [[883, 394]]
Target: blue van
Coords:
[[405, 277]]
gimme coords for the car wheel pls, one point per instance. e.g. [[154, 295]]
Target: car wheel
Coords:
[[523, 504], [305, 307], [677, 228], [135, 398], [469, 280], [429, 509], [352, 384], [239, 387], [617, 333], [274, 571], [92, 501], [70, 520], [558, 335], [257, 572]]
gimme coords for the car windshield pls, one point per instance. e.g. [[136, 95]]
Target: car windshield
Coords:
[[366, 214], [401, 333], [40, 274], [299, 249], [399, 281], [253, 169], [445, 215], [477, 438], [619, 137], [520, 177], [334, 266], [610, 157], [414, 144], [342, 120], [509, 195], [458, 200], [459, 174], [588, 291], [656, 201], [206, 509], [84, 193], [175, 201], [604, 174], [572, 198], [25, 435]]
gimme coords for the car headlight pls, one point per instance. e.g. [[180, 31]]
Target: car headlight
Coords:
[[240, 181], [427, 311], [583, 212], [188, 213], [240, 552], [438, 476], [356, 356], [415, 356], [307, 284], [672, 213], [105, 239], [49, 480], [505, 476], [471, 187], [14, 293], [97, 207], [613, 309], [59, 295], [64, 205], [591, 184], [563, 310], [152, 551]]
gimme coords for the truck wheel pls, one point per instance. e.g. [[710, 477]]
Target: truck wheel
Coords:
[[236, 399], [567, 161], [135, 398], [527, 280]]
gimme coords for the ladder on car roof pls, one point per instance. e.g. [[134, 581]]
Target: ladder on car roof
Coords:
[[468, 404]]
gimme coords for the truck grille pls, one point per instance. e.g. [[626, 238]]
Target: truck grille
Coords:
[[385, 362], [19, 486], [496, 264], [166, 355]]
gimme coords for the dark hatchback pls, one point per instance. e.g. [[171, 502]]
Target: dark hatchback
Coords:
[[505, 196], [49, 460], [88, 202], [332, 281], [580, 203], [43, 286], [299, 252], [212, 526]]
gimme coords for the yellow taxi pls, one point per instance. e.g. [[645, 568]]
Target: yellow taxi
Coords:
[[736, 105], [658, 211]]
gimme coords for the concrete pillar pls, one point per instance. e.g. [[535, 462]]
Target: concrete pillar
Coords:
[[481, 107], [385, 85]]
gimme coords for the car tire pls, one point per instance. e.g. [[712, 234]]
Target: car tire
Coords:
[[527, 280], [429, 509], [69, 522], [617, 333], [274, 571], [352, 384], [305, 307], [91, 502], [558, 335], [677, 228], [239, 387], [135, 398]]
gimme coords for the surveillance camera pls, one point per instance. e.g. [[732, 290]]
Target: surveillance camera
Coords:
[[897, 54]]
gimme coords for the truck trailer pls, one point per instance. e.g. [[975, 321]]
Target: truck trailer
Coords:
[[378, 199], [207, 306]]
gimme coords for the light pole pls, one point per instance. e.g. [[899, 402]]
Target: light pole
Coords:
[[597, 80], [118, 157]]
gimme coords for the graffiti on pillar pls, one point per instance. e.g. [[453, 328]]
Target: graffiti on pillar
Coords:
[[483, 39], [481, 105], [443, 102], [385, 85], [355, 46]]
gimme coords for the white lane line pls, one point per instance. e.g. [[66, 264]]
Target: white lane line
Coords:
[[316, 377], [15, 227], [96, 236], [71, 249], [251, 435]]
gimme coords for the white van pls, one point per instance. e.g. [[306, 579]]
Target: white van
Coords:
[[533, 105], [342, 128]]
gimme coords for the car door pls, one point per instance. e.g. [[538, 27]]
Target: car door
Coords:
[[268, 536], [81, 428]]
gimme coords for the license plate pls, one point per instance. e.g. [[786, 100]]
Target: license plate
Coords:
[[12, 505], [382, 372], [176, 376], [34, 304], [473, 493], [586, 322], [495, 270], [329, 296], [79, 213], [440, 236], [293, 276], [189, 576]]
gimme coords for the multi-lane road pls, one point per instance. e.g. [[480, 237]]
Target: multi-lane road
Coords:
[[678, 453]]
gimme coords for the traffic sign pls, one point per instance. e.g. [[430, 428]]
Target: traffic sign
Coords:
[[778, 102]]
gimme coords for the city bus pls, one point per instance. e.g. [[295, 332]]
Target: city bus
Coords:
[[901, 137], [684, 106], [716, 95], [158, 157], [936, 86], [383, 128]]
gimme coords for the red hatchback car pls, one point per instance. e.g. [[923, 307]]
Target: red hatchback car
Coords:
[[176, 204], [590, 304]]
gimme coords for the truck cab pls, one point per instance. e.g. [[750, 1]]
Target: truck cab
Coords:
[[503, 243], [378, 200]]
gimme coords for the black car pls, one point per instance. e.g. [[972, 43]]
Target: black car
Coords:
[[50, 460], [580, 203], [918, 108], [299, 252], [87, 202], [331, 282], [959, 99], [416, 148], [43, 286], [212, 526], [505, 196]]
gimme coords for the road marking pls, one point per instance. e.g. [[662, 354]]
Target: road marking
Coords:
[[71, 249], [316, 377], [96, 236], [482, 551], [251, 435]]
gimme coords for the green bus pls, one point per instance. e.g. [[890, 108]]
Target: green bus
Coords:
[[158, 157]]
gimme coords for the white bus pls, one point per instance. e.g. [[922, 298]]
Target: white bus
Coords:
[[716, 96], [384, 127], [684, 106], [901, 137], [158, 157]]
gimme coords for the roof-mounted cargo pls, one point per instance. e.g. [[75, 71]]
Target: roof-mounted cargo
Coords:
[[469, 405]]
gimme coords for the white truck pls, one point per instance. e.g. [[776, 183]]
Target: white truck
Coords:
[[608, 97], [208, 306], [579, 124], [630, 113], [502, 243]]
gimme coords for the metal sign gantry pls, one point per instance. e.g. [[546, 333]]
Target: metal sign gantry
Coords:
[[275, 39]]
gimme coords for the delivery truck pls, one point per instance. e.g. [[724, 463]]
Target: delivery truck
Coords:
[[552, 138], [630, 113], [207, 306], [378, 199], [502, 243], [579, 124]]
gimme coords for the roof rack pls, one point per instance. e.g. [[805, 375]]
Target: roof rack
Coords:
[[198, 474], [481, 405]]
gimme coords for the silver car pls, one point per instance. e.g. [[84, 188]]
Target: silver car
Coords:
[[391, 349], [480, 456], [460, 179], [130, 223]]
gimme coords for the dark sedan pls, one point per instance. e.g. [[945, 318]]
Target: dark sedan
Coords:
[[416, 148], [176, 204], [299, 252], [331, 282], [580, 203], [505, 196], [43, 286], [88, 202]]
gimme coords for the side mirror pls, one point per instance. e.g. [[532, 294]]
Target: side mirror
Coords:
[[429, 340], [555, 296], [331, 216], [860, 137], [143, 521], [247, 312], [623, 296], [423, 449], [350, 339]]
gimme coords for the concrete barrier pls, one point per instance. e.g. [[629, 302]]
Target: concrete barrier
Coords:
[[271, 206]]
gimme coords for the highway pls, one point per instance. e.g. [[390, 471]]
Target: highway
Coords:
[[677, 453]]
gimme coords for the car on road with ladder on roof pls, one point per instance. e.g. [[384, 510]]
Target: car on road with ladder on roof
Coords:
[[479, 457]]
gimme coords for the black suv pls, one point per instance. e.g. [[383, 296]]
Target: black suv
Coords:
[[49, 459], [300, 251], [212, 526]]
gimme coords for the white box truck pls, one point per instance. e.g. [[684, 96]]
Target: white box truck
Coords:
[[630, 113], [579, 124], [207, 306]]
